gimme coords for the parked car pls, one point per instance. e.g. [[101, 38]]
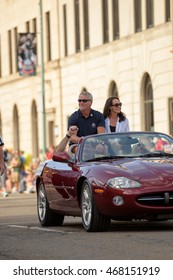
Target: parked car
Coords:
[[112, 176]]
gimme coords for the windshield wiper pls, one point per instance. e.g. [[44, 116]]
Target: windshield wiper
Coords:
[[156, 154], [105, 158]]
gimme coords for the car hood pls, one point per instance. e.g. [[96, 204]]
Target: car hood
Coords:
[[142, 169]]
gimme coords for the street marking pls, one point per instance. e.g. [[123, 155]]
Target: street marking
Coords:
[[16, 226], [41, 229]]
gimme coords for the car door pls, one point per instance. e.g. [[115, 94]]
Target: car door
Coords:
[[63, 196]]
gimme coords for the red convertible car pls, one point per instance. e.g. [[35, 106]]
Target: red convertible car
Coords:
[[111, 176]]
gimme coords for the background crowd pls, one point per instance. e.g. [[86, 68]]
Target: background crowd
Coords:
[[19, 174]]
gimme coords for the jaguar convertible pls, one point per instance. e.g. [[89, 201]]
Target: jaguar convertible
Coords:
[[111, 176]]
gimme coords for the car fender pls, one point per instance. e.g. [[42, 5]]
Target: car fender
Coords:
[[40, 168]]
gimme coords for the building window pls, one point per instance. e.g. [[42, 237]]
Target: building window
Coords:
[[10, 52], [170, 116], [16, 47], [16, 128], [150, 13], [34, 125], [51, 133], [27, 27], [48, 38], [65, 29], [84, 89], [86, 24], [34, 28], [167, 10], [148, 105], [34, 25], [138, 15], [105, 21], [113, 91], [77, 25], [115, 16]]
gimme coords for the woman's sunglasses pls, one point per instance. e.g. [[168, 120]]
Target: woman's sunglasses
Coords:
[[117, 104]]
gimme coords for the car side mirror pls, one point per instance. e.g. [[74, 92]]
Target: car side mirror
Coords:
[[61, 156]]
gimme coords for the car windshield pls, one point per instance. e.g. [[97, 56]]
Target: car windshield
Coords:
[[130, 144]]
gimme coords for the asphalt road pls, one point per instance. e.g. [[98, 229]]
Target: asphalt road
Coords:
[[22, 237]]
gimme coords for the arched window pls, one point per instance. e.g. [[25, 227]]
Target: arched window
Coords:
[[113, 91], [84, 89], [170, 116], [148, 104], [16, 134], [34, 128]]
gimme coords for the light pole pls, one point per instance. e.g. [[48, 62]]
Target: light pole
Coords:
[[42, 83]]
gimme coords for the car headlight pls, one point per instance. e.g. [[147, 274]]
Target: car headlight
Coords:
[[122, 183]]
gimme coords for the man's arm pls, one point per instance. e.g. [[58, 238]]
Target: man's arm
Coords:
[[100, 129], [75, 139], [62, 145], [100, 123]]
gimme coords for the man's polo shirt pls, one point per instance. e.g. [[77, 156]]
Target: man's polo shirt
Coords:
[[86, 126]]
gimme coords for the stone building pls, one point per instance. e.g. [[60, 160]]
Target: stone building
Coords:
[[109, 47]]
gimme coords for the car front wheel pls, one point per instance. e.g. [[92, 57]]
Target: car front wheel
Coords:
[[46, 216], [91, 218]]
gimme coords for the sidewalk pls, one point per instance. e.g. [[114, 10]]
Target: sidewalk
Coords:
[[17, 195]]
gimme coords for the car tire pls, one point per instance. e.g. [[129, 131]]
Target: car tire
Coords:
[[91, 218], [46, 216]]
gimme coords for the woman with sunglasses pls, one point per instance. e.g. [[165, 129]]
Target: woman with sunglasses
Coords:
[[115, 120]]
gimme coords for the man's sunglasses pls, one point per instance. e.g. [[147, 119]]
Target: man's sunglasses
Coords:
[[117, 104], [84, 100]]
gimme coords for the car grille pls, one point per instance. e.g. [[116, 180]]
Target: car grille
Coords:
[[161, 199]]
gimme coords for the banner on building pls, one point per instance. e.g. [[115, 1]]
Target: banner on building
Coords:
[[27, 54]]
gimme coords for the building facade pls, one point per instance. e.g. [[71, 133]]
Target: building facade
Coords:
[[122, 48]]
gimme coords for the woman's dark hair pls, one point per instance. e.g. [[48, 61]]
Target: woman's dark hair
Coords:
[[106, 110]]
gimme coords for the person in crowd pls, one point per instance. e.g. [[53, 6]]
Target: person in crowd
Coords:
[[144, 145], [31, 178], [87, 120], [4, 188], [2, 166], [160, 143], [115, 119], [23, 172], [49, 152], [101, 150], [16, 164], [88, 150], [2, 170], [8, 156]]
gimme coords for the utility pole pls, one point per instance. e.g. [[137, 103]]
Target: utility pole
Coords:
[[42, 82]]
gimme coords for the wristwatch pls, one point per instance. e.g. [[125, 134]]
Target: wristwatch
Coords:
[[68, 136]]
